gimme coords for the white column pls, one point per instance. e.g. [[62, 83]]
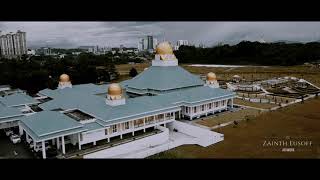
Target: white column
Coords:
[[144, 124], [43, 150], [132, 127], [121, 130], [164, 124], [63, 145], [206, 109], [34, 145], [108, 139], [27, 137], [20, 131], [94, 143], [53, 143], [231, 103], [58, 143], [79, 143]]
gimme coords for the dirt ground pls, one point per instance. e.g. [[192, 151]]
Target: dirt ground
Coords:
[[249, 139]]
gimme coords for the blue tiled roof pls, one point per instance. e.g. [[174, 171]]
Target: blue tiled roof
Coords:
[[81, 88], [8, 112], [93, 126], [18, 99], [49, 122], [180, 87], [164, 78], [134, 107]]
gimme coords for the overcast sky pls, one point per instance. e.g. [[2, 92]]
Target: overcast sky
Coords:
[[111, 34]]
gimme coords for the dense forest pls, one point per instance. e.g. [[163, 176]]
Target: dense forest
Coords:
[[252, 53], [41, 72]]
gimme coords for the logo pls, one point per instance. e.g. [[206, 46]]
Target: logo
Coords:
[[288, 144]]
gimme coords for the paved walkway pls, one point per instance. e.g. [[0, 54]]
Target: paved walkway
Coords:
[[251, 107], [105, 145]]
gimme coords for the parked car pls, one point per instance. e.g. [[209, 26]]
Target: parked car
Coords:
[[38, 147], [8, 132], [38, 144], [15, 138]]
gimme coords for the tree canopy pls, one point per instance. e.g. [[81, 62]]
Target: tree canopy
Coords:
[[41, 72], [251, 53], [133, 72]]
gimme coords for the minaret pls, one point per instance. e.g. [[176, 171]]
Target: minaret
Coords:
[[64, 82], [164, 55], [115, 95], [211, 80]]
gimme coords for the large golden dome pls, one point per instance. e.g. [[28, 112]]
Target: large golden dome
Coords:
[[211, 76], [64, 78], [114, 89], [164, 48]]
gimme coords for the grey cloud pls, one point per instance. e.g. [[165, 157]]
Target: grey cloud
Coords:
[[73, 34]]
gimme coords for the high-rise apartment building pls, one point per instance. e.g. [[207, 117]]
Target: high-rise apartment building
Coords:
[[181, 43], [147, 43], [13, 45]]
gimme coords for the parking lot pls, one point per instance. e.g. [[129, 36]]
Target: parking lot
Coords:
[[8, 150]]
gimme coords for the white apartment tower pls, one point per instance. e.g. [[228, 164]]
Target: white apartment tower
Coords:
[[147, 43], [181, 43], [13, 45]]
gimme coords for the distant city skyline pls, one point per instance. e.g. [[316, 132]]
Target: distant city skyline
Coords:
[[114, 34]]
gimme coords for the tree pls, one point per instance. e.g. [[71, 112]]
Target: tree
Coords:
[[133, 72]]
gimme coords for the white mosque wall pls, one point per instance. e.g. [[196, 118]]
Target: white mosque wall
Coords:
[[93, 136], [73, 139], [168, 139], [164, 62], [130, 147], [9, 124], [215, 107]]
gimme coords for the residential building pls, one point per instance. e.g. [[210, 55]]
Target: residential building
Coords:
[[13, 45]]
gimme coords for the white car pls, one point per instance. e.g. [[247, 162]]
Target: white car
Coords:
[[15, 138], [9, 132]]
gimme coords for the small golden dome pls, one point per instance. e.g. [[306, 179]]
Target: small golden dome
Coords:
[[211, 76], [164, 48], [64, 78], [114, 89]]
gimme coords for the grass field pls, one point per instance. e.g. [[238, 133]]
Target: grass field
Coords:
[[253, 104], [124, 69], [254, 73], [247, 139], [229, 116]]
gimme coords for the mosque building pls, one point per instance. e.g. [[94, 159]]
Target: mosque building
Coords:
[[158, 97]]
